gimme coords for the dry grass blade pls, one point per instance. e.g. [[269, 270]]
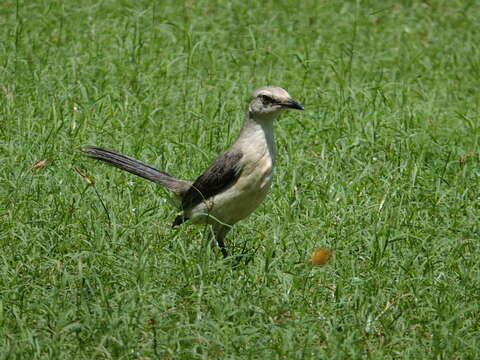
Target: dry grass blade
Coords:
[[90, 180], [39, 164]]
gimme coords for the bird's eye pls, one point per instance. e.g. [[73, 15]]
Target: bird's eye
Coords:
[[266, 100]]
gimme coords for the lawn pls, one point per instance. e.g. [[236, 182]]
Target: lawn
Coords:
[[383, 167]]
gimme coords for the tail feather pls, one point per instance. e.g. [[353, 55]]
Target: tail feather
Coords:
[[138, 168]]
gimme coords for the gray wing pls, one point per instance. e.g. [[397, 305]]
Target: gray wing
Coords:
[[224, 171]]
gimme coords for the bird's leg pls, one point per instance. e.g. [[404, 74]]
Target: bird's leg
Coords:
[[220, 231]]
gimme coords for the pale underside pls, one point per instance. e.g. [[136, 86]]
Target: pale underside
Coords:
[[240, 199], [249, 190]]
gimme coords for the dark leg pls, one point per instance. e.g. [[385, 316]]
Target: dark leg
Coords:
[[220, 232]]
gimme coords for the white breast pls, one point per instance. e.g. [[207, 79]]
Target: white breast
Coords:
[[242, 198], [245, 196]]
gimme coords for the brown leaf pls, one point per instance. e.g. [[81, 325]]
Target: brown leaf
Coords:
[[320, 257]]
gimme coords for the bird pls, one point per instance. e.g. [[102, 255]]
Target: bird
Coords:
[[235, 183]]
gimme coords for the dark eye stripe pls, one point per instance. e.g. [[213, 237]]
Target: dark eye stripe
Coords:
[[267, 99]]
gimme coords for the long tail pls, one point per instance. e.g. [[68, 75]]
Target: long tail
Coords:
[[138, 168]]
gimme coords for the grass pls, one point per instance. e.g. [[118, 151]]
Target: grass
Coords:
[[382, 167]]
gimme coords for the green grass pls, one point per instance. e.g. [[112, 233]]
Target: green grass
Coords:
[[383, 167]]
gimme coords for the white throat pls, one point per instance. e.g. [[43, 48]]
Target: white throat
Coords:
[[257, 135]]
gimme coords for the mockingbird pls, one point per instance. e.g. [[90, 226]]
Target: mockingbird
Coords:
[[235, 184]]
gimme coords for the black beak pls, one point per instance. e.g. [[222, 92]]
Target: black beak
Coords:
[[292, 104]]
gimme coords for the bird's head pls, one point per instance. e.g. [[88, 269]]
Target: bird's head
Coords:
[[267, 102]]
